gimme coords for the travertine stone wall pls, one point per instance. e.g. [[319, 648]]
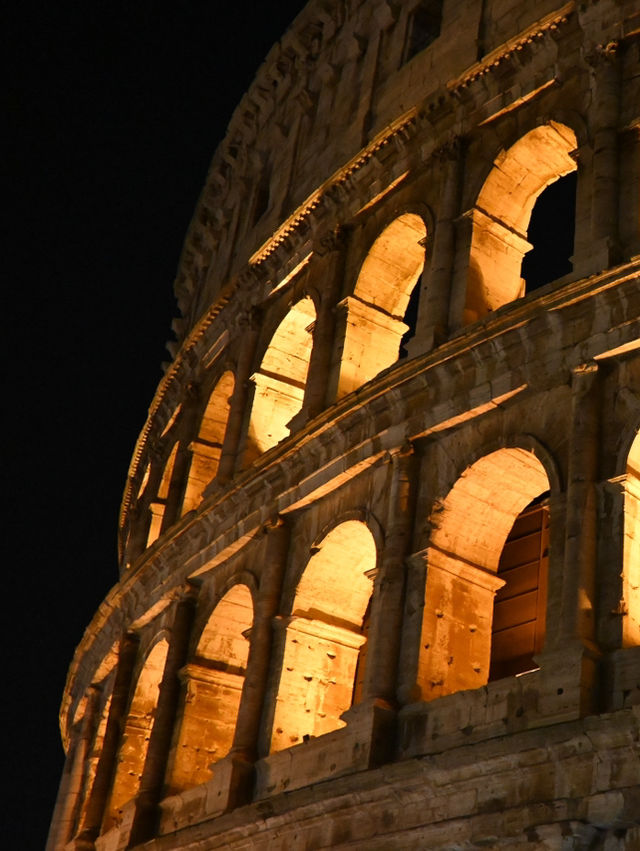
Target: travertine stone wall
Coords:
[[366, 392]]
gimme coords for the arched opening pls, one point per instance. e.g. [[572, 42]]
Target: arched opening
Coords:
[[501, 215], [213, 683], [280, 381], [551, 233], [207, 446], [379, 306], [158, 506], [136, 734], [631, 550], [470, 530], [326, 637]]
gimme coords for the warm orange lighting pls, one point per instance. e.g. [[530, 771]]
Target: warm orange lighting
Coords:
[[469, 532], [207, 447], [213, 683], [631, 558], [159, 504], [387, 277], [324, 636], [500, 217], [137, 730], [280, 381]]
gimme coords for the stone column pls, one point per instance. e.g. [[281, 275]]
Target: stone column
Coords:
[[327, 274], [388, 596], [91, 821], [247, 332], [245, 743], [69, 794], [604, 203], [610, 585], [578, 603], [153, 774], [463, 234], [433, 314], [569, 661], [174, 508]]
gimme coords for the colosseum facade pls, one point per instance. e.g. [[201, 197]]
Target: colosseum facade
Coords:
[[380, 538]]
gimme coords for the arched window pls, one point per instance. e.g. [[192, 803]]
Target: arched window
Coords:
[[213, 683], [207, 446], [463, 560], [376, 311], [158, 505], [325, 637], [136, 734], [500, 217], [631, 552], [280, 380], [551, 233]]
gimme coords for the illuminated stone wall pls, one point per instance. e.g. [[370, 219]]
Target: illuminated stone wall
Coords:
[[388, 465]]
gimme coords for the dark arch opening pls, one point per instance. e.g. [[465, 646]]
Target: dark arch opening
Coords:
[[551, 232], [410, 318]]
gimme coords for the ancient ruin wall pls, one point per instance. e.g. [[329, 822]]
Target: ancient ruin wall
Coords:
[[380, 530]]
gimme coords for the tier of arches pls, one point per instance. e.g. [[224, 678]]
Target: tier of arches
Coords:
[[321, 337], [257, 679]]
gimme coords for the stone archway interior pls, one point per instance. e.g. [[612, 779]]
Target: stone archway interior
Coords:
[[375, 312], [207, 446], [213, 682], [469, 530], [500, 217], [137, 730], [281, 379], [159, 504], [325, 636]]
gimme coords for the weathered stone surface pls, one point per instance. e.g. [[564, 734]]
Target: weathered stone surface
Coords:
[[305, 648]]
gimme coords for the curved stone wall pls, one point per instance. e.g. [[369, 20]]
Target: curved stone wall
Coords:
[[380, 537]]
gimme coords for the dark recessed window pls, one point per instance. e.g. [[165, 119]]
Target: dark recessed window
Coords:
[[551, 231], [424, 27]]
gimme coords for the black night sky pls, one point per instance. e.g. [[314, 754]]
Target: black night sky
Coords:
[[114, 111]]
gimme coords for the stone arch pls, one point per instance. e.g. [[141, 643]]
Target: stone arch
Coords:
[[206, 448], [325, 636], [374, 313], [357, 515], [136, 733], [281, 379], [158, 505], [500, 216], [469, 529], [213, 682], [631, 547]]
